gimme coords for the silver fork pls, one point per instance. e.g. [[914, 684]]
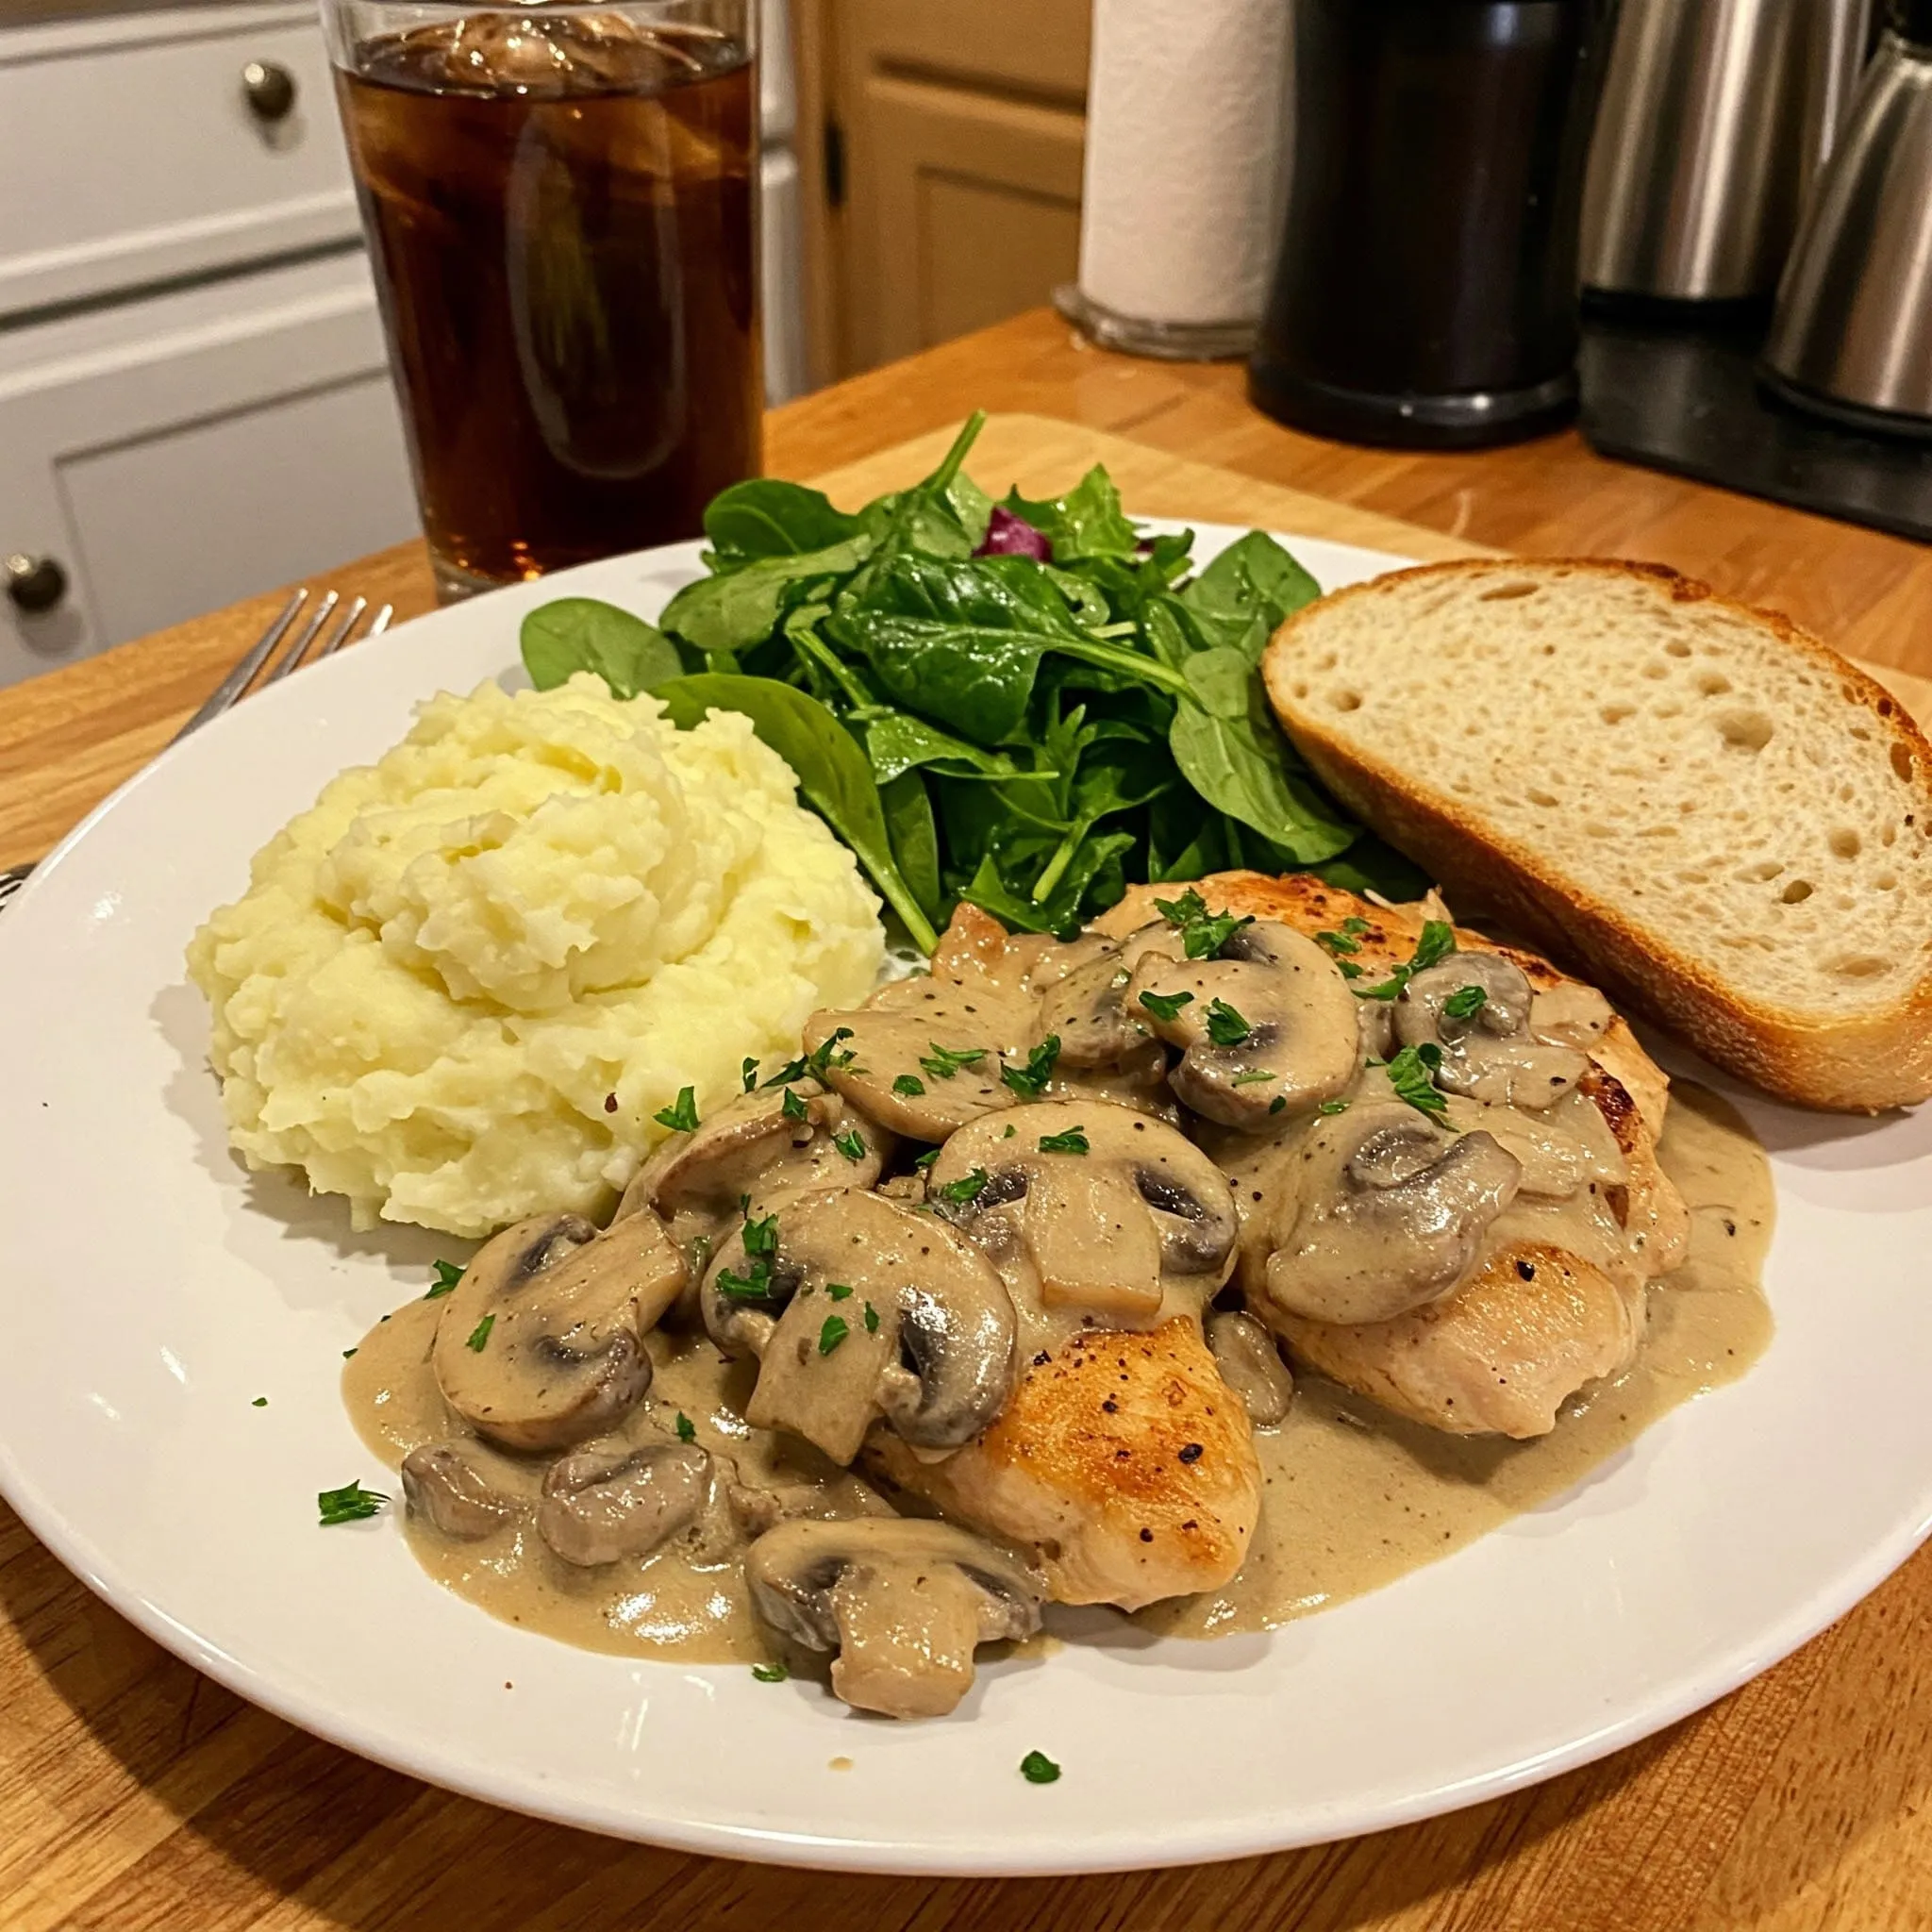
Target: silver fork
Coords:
[[248, 675]]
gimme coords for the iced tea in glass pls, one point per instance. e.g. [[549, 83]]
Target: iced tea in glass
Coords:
[[561, 203]]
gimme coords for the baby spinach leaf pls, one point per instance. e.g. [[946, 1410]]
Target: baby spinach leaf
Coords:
[[915, 839], [767, 517], [833, 774], [1246, 591], [1086, 522], [571, 634], [896, 742], [1242, 767], [1219, 679], [734, 612]]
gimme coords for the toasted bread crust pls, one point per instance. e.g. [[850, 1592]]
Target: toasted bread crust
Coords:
[[1860, 1064]]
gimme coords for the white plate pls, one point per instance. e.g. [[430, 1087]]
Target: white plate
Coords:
[[150, 1290]]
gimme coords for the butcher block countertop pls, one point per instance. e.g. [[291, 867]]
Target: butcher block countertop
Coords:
[[135, 1793]]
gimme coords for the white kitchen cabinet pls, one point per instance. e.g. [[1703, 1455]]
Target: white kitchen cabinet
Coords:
[[175, 453]]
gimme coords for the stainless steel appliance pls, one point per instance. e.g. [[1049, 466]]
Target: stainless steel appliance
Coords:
[[1853, 331], [1715, 115]]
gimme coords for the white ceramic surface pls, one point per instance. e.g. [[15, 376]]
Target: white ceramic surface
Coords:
[[152, 1289]]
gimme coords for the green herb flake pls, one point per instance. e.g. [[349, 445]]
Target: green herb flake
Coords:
[[681, 1116], [1338, 943], [1465, 1003], [851, 1144], [945, 1062], [835, 1331], [745, 1288], [911, 1085], [1355, 925], [761, 1237], [448, 1276], [791, 1106], [748, 1072], [1277, 1104], [1036, 1768], [1203, 933], [1029, 1082], [871, 1319], [1437, 943], [1226, 1027], [479, 1335], [1348, 969], [1073, 1141], [926, 1160], [352, 1503], [687, 1429], [969, 1188], [826, 1055], [1332, 1108], [260, 1402], [1411, 1075], [1254, 1076], [838, 1290], [770, 1673], [1165, 1006]]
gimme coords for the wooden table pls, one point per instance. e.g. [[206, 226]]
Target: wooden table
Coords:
[[136, 1793]]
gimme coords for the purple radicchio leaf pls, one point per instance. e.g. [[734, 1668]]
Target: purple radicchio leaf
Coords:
[[1007, 535]]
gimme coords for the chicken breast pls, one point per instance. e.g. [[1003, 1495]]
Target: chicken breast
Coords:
[[1536, 1321], [1122, 1462]]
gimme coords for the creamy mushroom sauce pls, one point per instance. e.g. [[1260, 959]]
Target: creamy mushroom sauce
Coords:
[[1353, 1496]]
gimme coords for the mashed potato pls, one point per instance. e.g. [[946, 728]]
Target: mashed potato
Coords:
[[460, 985]]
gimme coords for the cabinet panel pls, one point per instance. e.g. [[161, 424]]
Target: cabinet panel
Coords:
[[130, 155], [968, 210], [177, 452]]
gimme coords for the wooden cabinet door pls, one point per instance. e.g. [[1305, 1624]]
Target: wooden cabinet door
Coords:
[[962, 134]]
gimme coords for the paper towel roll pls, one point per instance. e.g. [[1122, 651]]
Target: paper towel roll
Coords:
[[1184, 124]]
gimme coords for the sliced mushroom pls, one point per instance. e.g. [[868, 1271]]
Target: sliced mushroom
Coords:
[[1250, 1362], [1268, 1026], [1110, 1229], [1489, 1053], [1388, 1214], [443, 1485], [541, 1343], [1084, 1004], [601, 1505], [1555, 1161], [760, 1146], [860, 1308], [923, 1056], [1570, 1014], [902, 1603]]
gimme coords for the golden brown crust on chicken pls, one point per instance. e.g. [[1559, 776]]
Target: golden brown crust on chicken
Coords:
[[1122, 1461], [1500, 1356]]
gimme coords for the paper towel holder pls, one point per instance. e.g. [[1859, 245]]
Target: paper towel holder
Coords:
[[1165, 341]]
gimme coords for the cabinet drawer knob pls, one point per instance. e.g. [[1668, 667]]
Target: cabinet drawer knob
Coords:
[[34, 584], [270, 88]]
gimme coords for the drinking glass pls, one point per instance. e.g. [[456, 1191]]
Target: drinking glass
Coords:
[[561, 203]]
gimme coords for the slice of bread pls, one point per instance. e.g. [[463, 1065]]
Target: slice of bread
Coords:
[[1700, 807]]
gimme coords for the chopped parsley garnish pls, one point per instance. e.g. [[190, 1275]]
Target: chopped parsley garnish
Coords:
[[838, 1290], [791, 1106], [1165, 1006], [1353, 926], [681, 1116], [1437, 943], [1412, 1073], [1254, 1077], [1203, 934], [1036, 1768], [945, 1062], [448, 1276], [687, 1429], [260, 1402], [1073, 1141], [1277, 1105], [480, 1333], [911, 1085], [1465, 1003], [1331, 1107], [927, 1160], [349, 1503], [1348, 969], [745, 1288], [969, 1188], [770, 1673], [818, 1062], [761, 1237], [1226, 1027], [835, 1331], [871, 1319], [850, 1143], [1029, 1082], [1338, 943], [748, 1071]]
